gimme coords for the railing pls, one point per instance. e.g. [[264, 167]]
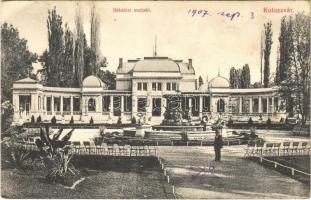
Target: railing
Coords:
[[102, 149], [277, 149]]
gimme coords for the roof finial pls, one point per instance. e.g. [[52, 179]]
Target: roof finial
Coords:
[[218, 71]]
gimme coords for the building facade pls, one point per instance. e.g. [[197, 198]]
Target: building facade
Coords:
[[145, 89]]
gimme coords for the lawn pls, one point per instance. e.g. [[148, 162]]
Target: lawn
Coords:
[[234, 177], [134, 181]]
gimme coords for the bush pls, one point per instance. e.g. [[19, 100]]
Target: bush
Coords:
[[71, 120], [91, 120], [133, 120], [53, 120], [230, 121], [250, 120], [32, 119], [39, 119], [119, 121], [269, 121], [282, 120]]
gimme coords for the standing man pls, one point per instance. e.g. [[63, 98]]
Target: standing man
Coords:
[[217, 145]]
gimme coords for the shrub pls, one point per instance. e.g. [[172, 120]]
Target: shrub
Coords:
[[133, 120], [91, 120], [269, 121], [39, 119], [250, 120], [119, 121], [71, 120], [32, 119], [53, 120], [230, 121], [282, 120]]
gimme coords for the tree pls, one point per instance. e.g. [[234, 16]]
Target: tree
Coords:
[[79, 49], [245, 77], [56, 43], [200, 81], [16, 59], [69, 70], [108, 78], [296, 87], [95, 54], [238, 74], [267, 51]]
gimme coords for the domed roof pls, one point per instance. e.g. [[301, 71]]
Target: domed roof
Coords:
[[156, 64], [219, 82], [93, 81]]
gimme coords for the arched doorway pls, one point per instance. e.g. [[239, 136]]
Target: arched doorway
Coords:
[[220, 105]]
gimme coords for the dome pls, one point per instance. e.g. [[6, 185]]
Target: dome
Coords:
[[156, 64], [93, 81], [219, 82]]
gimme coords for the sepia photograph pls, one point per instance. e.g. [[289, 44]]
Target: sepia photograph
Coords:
[[155, 99]]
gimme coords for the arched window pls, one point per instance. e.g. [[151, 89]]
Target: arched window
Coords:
[[91, 105], [220, 105]]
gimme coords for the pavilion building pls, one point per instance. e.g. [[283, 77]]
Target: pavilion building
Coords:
[[145, 88]]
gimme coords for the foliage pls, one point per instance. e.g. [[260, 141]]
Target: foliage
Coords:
[[16, 60], [257, 85], [234, 78], [55, 155], [268, 121], [71, 120], [39, 119], [6, 115], [267, 51], [32, 119], [56, 43], [53, 120], [245, 77], [240, 78], [230, 121], [250, 120], [294, 65], [109, 78], [119, 121]]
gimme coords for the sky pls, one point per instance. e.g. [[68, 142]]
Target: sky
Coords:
[[214, 41]]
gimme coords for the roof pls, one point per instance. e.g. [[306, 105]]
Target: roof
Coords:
[[156, 64], [219, 82], [184, 69], [26, 80], [93, 81]]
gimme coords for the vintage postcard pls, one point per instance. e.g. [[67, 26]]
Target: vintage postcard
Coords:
[[155, 99]]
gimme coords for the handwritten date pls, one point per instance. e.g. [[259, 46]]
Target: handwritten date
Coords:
[[229, 15]]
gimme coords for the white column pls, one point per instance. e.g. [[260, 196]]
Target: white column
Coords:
[[111, 106], [71, 105], [259, 105], [250, 104], [201, 106], [272, 105], [240, 105], [122, 106], [268, 104], [52, 107], [61, 105]]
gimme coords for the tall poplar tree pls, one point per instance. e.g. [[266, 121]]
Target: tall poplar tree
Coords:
[[79, 49], [267, 51], [56, 43]]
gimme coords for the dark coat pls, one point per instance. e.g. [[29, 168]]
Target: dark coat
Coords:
[[218, 142]]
